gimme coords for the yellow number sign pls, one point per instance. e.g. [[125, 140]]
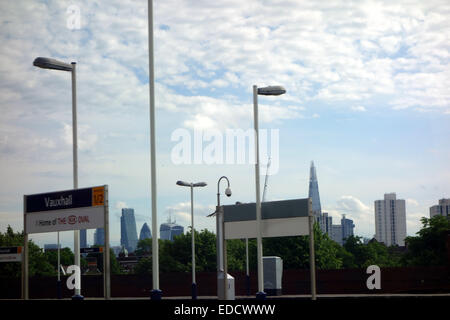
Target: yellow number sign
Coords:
[[98, 196]]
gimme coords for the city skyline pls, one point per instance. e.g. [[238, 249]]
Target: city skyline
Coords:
[[366, 99]]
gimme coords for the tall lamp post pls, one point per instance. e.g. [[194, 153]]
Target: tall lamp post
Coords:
[[267, 91], [156, 293], [53, 64], [192, 186], [221, 244]]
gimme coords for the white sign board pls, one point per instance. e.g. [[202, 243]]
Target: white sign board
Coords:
[[65, 210], [283, 227], [279, 219], [65, 220], [10, 254]]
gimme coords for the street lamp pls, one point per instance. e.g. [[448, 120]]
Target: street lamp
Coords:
[[192, 186], [53, 64], [267, 91], [220, 241]]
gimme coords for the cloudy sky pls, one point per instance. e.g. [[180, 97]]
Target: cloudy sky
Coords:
[[367, 100]]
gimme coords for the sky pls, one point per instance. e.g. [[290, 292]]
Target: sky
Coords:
[[367, 99]]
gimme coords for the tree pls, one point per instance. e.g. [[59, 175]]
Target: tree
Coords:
[[144, 247], [428, 248], [65, 254], [38, 264], [113, 263], [373, 253]]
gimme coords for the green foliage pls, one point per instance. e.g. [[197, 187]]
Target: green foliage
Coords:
[[38, 264], [373, 253], [428, 248], [113, 263], [66, 257], [144, 247], [295, 251]]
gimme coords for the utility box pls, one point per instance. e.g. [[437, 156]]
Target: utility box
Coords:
[[230, 287], [273, 275]]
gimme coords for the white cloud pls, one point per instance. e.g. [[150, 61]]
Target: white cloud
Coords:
[[359, 108]]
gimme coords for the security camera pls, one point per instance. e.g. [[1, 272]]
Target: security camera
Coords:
[[228, 192]]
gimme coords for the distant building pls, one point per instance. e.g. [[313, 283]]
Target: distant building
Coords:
[[51, 246], [390, 220], [83, 238], [336, 233], [347, 228], [116, 250], [99, 237], [340, 232], [145, 232], [314, 192], [325, 223], [442, 209], [128, 233], [169, 230]]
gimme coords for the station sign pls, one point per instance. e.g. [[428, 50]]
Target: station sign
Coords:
[[65, 210], [11, 254], [92, 250], [278, 219]]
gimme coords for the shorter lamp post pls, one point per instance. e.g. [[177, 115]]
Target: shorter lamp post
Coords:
[[192, 186], [221, 242]]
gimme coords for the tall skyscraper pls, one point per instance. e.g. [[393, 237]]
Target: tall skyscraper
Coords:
[[390, 220], [314, 192], [347, 228], [83, 238], [442, 209], [128, 233], [325, 223], [145, 232], [99, 237], [169, 230]]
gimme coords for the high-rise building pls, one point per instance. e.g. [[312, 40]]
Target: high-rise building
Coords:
[[442, 209], [83, 238], [336, 233], [51, 246], [325, 223], [128, 233], [314, 192], [99, 237], [169, 230], [390, 220], [145, 232], [347, 228]]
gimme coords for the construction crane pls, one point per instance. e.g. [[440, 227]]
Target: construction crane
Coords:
[[265, 181]]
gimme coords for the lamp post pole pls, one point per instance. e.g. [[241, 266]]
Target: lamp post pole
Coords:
[[49, 63], [221, 247], [76, 235], [156, 293], [194, 284], [192, 186], [260, 294], [269, 91]]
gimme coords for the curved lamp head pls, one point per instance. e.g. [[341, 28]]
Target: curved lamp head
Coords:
[[228, 192], [187, 184], [272, 90], [49, 63]]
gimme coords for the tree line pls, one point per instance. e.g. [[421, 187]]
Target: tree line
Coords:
[[427, 248]]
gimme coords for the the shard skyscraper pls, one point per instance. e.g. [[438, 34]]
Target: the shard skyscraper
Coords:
[[314, 192]]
